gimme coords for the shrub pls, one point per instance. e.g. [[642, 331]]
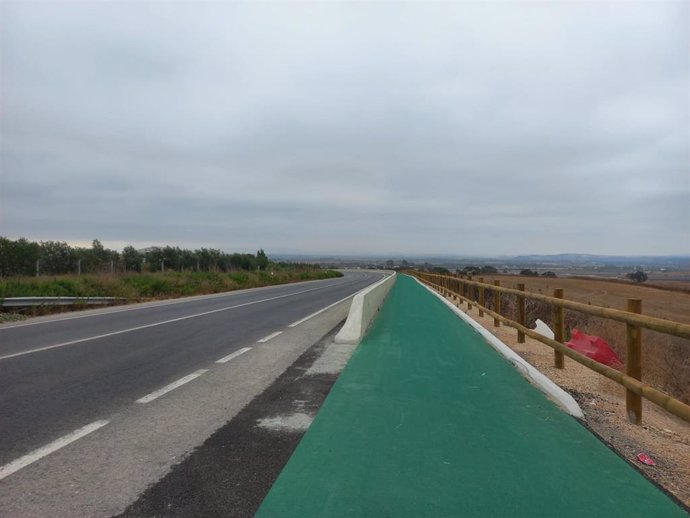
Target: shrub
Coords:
[[637, 276]]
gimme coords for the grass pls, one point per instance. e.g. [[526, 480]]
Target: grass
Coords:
[[149, 286]]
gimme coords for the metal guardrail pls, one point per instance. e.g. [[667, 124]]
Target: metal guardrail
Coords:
[[25, 302]]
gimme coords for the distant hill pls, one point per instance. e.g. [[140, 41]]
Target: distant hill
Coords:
[[681, 262], [607, 260]]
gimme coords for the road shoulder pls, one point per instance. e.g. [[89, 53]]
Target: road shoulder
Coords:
[[104, 472], [230, 474]]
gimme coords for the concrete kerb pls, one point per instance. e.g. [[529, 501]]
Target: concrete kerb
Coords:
[[363, 309], [533, 375]]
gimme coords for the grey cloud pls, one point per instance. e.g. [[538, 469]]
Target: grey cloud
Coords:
[[466, 128]]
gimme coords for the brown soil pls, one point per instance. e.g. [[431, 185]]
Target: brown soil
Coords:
[[662, 436], [657, 301], [665, 359]]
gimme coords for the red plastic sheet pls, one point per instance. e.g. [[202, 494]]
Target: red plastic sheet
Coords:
[[646, 459], [594, 347]]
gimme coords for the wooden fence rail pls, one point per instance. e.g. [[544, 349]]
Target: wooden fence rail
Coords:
[[457, 287]]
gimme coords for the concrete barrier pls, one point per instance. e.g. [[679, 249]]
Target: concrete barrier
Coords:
[[363, 309]]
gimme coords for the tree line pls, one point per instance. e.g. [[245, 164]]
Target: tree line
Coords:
[[24, 257]]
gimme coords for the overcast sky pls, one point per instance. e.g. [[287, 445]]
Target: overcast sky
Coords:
[[406, 128]]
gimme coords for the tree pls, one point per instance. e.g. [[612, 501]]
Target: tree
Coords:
[[18, 257], [638, 276], [132, 259], [57, 257], [261, 259], [529, 273]]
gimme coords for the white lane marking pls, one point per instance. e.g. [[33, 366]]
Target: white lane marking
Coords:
[[175, 384], [46, 450], [138, 328], [295, 324], [269, 337], [151, 305], [231, 356]]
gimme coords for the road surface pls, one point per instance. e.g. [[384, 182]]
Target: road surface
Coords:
[[96, 406]]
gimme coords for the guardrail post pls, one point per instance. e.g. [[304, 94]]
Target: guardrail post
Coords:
[[633, 363], [559, 329], [521, 314], [481, 297], [497, 304]]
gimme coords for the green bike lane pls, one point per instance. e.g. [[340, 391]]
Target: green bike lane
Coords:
[[428, 420]]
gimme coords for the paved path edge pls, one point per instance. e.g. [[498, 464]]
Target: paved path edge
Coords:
[[559, 396]]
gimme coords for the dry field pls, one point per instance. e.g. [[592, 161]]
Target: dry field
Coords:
[[656, 301], [665, 359]]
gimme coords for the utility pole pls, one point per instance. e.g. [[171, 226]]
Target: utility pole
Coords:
[[38, 271], [112, 266], [78, 266], [162, 265]]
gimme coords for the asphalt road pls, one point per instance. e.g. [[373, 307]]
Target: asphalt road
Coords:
[[60, 374]]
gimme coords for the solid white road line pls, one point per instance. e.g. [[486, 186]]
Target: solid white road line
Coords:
[[158, 393], [230, 356], [295, 324], [46, 450], [269, 337], [138, 328]]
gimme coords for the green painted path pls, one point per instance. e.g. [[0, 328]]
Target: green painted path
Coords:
[[428, 420]]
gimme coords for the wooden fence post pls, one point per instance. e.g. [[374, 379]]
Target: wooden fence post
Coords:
[[521, 314], [469, 294], [559, 329], [633, 363], [481, 297], [497, 304]]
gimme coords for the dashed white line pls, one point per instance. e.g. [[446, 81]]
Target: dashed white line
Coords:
[[175, 384], [138, 328], [230, 356], [269, 337], [46, 450], [295, 324]]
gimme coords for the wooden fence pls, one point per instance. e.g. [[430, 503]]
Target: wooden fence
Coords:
[[473, 293]]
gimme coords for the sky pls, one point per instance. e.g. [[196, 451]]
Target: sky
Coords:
[[468, 128]]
